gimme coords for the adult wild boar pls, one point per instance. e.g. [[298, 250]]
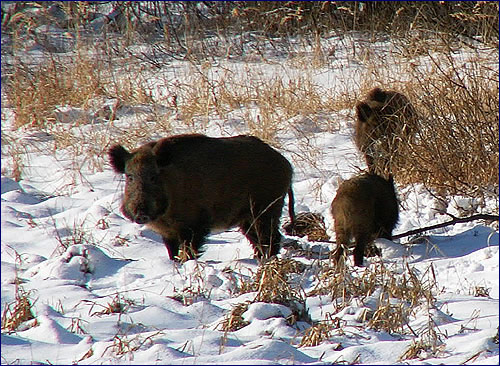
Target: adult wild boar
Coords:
[[385, 120], [364, 208], [185, 186]]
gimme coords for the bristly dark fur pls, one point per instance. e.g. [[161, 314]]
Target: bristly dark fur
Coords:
[[385, 118], [364, 208], [184, 186]]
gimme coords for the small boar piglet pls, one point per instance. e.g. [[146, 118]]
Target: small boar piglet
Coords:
[[364, 208]]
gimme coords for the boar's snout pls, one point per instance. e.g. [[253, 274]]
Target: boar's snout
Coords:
[[139, 214], [142, 218]]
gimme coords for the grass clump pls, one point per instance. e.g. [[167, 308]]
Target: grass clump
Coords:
[[456, 143], [35, 91], [118, 305], [274, 283], [19, 312], [391, 297], [322, 331], [309, 224], [234, 320]]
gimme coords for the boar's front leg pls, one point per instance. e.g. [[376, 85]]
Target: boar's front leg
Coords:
[[186, 244], [172, 244]]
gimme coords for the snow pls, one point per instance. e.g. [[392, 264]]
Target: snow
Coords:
[[65, 241]]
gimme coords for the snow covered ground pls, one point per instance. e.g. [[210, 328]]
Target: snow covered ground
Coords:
[[66, 245]]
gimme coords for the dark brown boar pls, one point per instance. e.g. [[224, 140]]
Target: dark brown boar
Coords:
[[364, 208], [185, 186], [385, 119]]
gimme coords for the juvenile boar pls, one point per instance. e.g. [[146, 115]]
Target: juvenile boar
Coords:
[[364, 208], [184, 186], [384, 120]]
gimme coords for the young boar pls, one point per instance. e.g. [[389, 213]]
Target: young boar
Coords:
[[365, 208], [384, 120], [185, 186]]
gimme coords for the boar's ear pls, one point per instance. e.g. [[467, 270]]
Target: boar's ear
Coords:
[[118, 156], [377, 94], [390, 179], [363, 111]]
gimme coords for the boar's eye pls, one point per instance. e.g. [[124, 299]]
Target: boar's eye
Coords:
[[130, 177]]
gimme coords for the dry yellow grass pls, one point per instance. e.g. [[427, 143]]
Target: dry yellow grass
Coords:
[[19, 311]]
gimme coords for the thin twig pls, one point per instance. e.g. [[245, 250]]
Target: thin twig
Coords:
[[455, 220]]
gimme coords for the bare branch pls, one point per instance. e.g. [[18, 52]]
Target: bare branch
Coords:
[[454, 221]]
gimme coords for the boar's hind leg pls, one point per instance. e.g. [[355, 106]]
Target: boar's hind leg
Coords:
[[342, 238], [359, 250], [385, 233], [264, 235]]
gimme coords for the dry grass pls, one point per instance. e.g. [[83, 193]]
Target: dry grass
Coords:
[[63, 97], [300, 18], [118, 305], [480, 291], [19, 312], [76, 326], [428, 341], [391, 298], [264, 104], [125, 345], [273, 285], [194, 280], [321, 331], [43, 98], [417, 349], [397, 294], [18, 315], [38, 90], [308, 224], [16, 153], [277, 282], [69, 236], [34, 91], [234, 320], [456, 145], [448, 96]]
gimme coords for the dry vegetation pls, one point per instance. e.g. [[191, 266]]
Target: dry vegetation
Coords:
[[277, 281], [389, 297], [19, 312], [457, 142], [455, 150]]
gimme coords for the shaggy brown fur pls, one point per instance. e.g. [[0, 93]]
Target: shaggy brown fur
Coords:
[[384, 120], [184, 186], [365, 208]]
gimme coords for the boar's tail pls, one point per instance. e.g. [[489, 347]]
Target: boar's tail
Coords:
[[291, 209]]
